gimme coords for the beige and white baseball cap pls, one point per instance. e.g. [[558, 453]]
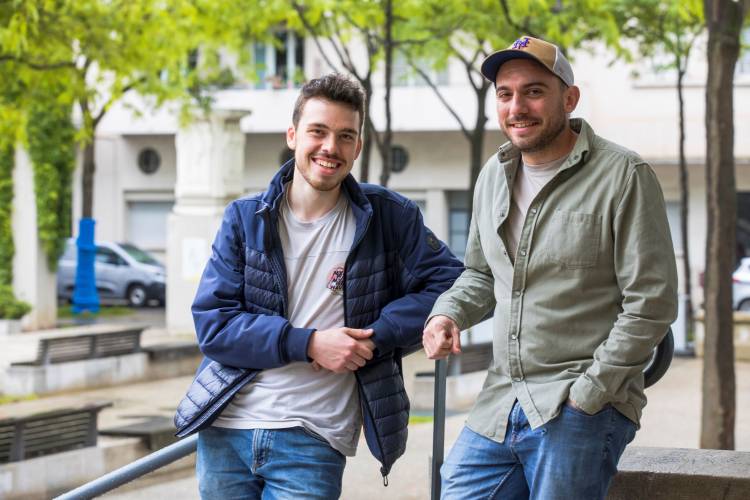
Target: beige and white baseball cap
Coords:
[[548, 55]]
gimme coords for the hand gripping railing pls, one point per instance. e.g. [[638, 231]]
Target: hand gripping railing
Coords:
[[655, 369]]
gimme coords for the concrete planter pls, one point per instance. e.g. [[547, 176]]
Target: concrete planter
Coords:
[[10, 326], [741, 335]]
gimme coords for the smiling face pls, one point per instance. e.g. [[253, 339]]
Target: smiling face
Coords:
[[326, 142], [532, 109]]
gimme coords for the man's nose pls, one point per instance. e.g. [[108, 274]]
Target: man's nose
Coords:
[[518, 105], [329, 142]]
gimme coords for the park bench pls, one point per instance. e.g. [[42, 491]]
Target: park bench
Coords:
[[34, 435], [64, 348]]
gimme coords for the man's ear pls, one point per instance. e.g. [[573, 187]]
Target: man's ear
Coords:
[[571, 96], [359, 147], [291, 137]]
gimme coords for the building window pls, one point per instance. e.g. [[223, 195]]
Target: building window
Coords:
[[280, 64], [147, 224], [405, 76], [149, 160], [399, 158], [459, 212]]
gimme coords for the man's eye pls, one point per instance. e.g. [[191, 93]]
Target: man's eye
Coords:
[[503, 95], [347, 137], [535, 92]]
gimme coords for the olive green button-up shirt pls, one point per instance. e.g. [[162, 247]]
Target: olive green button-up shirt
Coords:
[[591, 292]]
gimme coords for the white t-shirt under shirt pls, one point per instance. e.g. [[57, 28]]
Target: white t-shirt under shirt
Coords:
[[293, 395], [530, 179]]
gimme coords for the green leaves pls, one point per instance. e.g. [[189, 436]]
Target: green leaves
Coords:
[[51, 146]]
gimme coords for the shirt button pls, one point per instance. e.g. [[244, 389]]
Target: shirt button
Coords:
[[517, 293], [518, 379], [523, 252], [533, 211], [514, 336]]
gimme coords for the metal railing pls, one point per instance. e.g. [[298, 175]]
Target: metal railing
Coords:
[[134, 470], [654, 371]]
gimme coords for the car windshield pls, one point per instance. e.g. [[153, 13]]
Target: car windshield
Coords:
[[139, 255]]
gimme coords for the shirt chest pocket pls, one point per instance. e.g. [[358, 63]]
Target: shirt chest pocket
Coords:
[[572, 239]]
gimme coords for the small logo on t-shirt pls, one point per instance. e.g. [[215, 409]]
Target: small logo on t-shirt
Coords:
[[336, 280]]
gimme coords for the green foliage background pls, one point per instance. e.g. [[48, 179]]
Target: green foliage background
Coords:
[[51, 143], [10, 306]]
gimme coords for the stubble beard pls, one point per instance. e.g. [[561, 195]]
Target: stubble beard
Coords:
[[314, 183], [547, 137]]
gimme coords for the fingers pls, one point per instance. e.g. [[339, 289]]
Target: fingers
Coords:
[[441, 337], [358, 334], [455, 340]]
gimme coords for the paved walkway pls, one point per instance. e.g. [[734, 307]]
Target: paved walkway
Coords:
[[671, 419]]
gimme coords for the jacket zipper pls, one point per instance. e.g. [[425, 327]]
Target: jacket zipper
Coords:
[[365, 406], [275, 263]]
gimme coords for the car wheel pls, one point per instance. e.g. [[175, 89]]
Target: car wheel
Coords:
[[137, 296], [744, 306]]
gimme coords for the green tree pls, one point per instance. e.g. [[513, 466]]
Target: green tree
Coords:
[[97, 51], [379, 27], [724, 19], [665, 31], [489, 25]]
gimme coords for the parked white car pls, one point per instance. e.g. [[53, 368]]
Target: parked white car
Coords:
[[123, 271], [741, 286]]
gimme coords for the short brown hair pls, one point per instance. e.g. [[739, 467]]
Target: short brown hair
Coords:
[[334, 87]]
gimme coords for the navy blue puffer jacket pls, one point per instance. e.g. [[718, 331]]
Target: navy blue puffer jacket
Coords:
[[395, 271]]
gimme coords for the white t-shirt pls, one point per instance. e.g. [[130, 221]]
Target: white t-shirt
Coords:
[[530, 179], [294, 395]]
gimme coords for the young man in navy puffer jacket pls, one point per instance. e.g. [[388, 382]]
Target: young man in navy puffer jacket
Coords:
[[314, 291]]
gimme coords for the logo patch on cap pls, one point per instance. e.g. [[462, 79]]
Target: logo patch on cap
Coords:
[[521, 43]]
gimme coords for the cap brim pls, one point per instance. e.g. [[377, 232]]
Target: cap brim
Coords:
[[492, 64]]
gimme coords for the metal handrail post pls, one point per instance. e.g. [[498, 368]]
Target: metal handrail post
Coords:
[[134, 470], [438, 427]]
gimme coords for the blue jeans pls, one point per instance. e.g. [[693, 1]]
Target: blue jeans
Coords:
[[573, 456], [267, 464]]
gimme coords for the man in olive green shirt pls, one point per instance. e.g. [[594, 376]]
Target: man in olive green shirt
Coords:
[[569, 243]]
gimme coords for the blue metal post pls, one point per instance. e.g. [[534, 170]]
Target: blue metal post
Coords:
[[85, 297]]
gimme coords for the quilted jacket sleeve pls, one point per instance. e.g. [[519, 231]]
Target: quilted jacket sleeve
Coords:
[[227, 332], [429, 269]]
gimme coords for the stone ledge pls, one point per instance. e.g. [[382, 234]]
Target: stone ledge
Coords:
[[682, 474]]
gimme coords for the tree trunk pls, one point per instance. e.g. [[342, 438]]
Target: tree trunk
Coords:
[[684, 198], [385, 152], [364, 161], [87, 180], [724, 19], [476, 143]]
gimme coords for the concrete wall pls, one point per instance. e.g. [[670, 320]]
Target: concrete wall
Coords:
[[33, 282]]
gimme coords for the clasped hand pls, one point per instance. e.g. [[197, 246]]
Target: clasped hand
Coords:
[[341, 349]]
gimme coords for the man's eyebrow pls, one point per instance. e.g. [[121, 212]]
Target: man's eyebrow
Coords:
[[323, 125], [527, 85]]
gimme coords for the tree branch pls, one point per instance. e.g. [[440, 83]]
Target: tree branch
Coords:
[[306, 23], [38, 65], [521, 28], [430, 83]]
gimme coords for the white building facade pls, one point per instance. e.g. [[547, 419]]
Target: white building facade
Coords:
[[148, 190]]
